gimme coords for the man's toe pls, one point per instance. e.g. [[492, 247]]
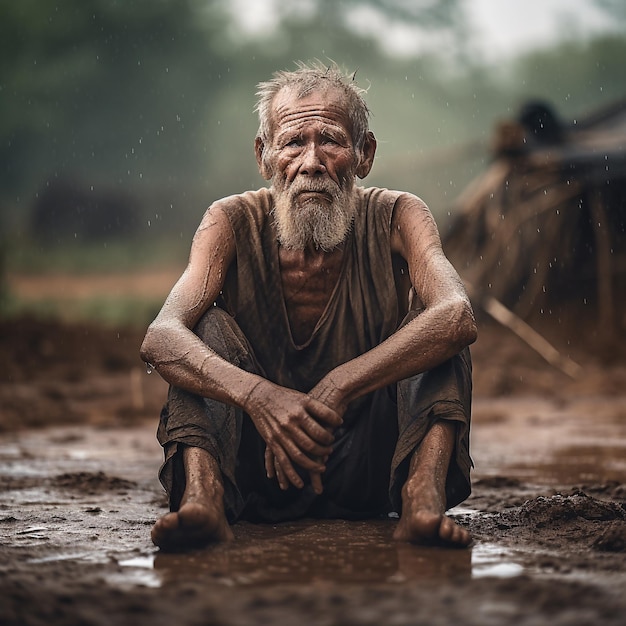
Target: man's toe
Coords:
[[447, 529]]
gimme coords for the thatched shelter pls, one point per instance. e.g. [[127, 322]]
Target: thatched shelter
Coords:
[[542, 231]]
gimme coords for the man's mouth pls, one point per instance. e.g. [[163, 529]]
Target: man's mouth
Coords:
[[312, 193]]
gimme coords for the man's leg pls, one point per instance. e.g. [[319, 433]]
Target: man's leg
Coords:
[[423, 517], [431, 465], [200, 519], [200, 438]]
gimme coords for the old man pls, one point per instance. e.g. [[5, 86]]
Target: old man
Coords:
[[316, 343]]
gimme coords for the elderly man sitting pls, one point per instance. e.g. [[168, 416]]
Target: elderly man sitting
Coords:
[[316, 343]]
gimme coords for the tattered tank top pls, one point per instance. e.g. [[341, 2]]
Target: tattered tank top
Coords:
[[364, 309]]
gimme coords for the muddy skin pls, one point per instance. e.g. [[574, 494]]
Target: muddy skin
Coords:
[[423, 495], [200, 519]]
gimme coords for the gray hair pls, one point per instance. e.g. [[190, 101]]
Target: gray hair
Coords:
[[308, 78]]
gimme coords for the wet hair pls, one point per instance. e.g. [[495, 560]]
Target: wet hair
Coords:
[[308, 78]]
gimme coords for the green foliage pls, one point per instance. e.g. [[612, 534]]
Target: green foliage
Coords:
[[77, 257], [114, 311]]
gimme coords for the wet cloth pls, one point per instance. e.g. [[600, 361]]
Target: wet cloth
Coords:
[[250, 328]]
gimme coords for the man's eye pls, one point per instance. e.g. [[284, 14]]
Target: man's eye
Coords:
[[293, 143]]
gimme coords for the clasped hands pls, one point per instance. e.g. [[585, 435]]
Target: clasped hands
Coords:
[[297, 429]]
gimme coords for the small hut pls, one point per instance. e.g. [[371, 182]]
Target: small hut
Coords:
[[542, 231]]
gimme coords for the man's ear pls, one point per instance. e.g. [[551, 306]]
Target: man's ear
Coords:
[[259, 151], [368, 153]]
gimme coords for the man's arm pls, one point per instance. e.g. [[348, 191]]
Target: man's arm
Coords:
[[443, 328], [179, 356], [291, 423]]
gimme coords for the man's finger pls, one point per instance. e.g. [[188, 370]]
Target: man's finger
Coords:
[[283, 483], [324, 413], [270, 469], [309, 433], [316, 482], [310, 446], [285, 472], [299, 457]]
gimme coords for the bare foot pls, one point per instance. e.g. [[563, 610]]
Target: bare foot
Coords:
[[200, 519], [424, 521], [193, 525]]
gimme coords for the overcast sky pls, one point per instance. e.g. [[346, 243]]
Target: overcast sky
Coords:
[[513, 26], [503, 27]]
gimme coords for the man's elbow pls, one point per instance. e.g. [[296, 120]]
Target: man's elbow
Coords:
[[465, 329], [149, 346]]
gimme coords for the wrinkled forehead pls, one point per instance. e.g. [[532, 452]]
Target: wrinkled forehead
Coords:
[[329, 106]]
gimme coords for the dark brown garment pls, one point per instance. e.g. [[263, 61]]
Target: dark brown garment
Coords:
[[369, 463], [363, 310]]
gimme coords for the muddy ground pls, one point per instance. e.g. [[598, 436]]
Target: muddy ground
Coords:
[[79, 493]]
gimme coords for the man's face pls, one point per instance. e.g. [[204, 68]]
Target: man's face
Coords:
[[313, 163]]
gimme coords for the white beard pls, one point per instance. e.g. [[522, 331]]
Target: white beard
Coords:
[[310, 221]]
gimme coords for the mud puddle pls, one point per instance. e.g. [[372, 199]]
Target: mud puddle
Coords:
[[317, 553], [89, 496]]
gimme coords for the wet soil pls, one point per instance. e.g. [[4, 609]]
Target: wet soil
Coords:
[[78, 464]]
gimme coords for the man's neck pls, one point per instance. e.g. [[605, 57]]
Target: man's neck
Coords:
[[311, 254]]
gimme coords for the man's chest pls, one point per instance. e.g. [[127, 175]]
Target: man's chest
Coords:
[[307, 285]]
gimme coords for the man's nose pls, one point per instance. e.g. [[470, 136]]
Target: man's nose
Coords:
[[311, 163]]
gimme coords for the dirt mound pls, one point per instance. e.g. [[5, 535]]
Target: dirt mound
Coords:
[[34, 348], [577, 521], [613, 539], [58, 373], [543, 511]]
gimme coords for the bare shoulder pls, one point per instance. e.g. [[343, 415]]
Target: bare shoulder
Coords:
[[213, 247], [214, 224], [413, 228], [416, 238], [212, 251]]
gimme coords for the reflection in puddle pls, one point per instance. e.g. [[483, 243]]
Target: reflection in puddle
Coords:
[[315, 552], [146, 561], [318, 552], [491, 560], [137, 571], [82, 556]]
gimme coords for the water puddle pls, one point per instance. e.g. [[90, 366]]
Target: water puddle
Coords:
[[137, 571], [63, 504], [490, 560], [322, 553]]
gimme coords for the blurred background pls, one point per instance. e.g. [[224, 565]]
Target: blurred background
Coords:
[[122, 120]]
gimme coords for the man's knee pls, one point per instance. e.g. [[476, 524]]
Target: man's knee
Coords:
[[219, 331]]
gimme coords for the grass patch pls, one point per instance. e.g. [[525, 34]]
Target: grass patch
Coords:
[[79, 257], [110, 311]]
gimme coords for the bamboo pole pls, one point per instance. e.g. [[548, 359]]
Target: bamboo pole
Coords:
[[529, 335]]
